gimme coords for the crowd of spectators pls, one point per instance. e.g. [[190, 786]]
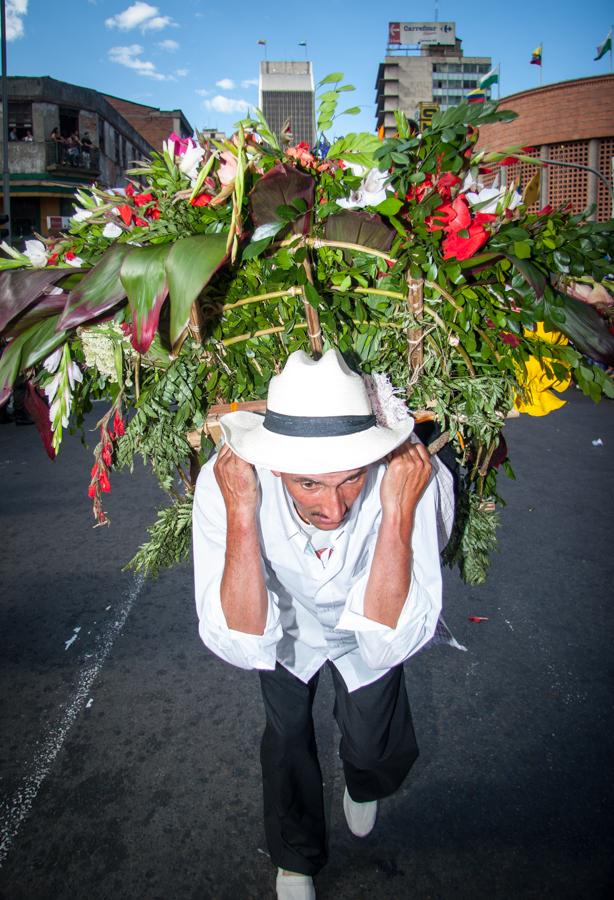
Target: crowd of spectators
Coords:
[[73, 150]]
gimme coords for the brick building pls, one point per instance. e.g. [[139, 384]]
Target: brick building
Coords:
[[572, 122], [152, 123]]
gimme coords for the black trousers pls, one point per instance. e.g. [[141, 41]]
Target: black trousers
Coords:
[[378, 747]]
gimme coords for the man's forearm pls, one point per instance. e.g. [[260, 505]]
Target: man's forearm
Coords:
[[390, 575], [243, 591]]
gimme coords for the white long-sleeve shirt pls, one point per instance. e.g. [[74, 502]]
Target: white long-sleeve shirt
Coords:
[[316, 610]]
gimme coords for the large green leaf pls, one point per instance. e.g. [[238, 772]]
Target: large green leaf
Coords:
[[20, 288], [36, 343], [143, 276], [190, 265], [359, 227], [281, 186], [586, 330], [99, 291]]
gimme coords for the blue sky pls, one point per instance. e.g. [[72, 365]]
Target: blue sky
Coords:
[[202, 56]]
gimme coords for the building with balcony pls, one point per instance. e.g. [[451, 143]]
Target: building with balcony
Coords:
[[287, 99], [63, 137], [426, 72], [569, 122]]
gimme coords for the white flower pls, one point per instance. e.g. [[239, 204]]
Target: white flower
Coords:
[[490, 199], [371, 192], [74, 374], [82, 214], [190, 161], [36, 253], [53, 360], [111, 230], [77, 262], [51, 388]]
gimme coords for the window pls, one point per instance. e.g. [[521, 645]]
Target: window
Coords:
[[101, 135], [20, 120], [69, 121]]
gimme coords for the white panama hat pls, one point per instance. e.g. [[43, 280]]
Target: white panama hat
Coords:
[[318, 419]]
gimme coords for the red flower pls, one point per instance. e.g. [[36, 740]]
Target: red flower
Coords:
[[453, 216], [94, 471], [482, 217], [484, 170], [142, 199], [456, 247], [417, 191], [126, 213], [142, 223], [91, 491], [511, 339], [118, 424], [70, 255], [130, 192], [53, 259], [107, 454], [103, 481], [202, 200], [509, 161], [153, 213], [545, 210], [445, 184]]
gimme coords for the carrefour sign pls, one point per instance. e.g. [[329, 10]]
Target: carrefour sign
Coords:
[[421, 32]]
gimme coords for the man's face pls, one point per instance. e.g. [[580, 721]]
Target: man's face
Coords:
[[324, 500]]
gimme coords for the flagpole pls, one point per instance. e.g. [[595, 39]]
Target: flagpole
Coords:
[[499, 84], [541, 65], [611, 28]]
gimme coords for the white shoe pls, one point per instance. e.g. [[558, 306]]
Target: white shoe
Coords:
[[359, 816], [292, 886]]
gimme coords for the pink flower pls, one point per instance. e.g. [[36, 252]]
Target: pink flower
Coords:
[[228, 168], [180, 145]]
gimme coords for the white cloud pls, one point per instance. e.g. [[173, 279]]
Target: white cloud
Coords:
[[181, 73], [15, 12], [130, 58], [169, 45], [202, 92], [139, 15], [249, 82], [226, 104], [157, 23], [226, 84]]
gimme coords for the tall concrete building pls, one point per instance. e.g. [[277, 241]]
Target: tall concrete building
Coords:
[[424, 67], [287, 95]]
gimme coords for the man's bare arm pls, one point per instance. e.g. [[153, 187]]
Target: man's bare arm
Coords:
[[389, 580], [243, 591]]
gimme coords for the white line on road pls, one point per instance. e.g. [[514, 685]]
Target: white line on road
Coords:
[[14, 810]]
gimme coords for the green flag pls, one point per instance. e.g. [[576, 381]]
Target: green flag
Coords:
[[490, 78], [603, 48]]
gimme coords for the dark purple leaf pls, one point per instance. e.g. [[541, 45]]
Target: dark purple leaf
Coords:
[[36, 405], [531, 274], [359, 227], [586, 330], [280, 187], [48, 305], [20, 288]]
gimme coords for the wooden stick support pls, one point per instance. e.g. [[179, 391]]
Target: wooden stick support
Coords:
[[415, 302]]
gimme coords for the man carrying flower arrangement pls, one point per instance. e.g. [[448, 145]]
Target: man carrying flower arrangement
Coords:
[[337, 566]]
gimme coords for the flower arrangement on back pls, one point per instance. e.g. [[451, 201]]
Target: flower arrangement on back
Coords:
[[191, 286]]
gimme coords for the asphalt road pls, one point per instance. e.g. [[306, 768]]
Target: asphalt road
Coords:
[[129, 755]]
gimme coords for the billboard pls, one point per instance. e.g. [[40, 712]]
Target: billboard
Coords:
[[421, 33]]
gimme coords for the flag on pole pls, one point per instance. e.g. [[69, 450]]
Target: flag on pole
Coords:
[[536, 56], [302, 43], [603, 48], [490, 78], [262, 43], [478, 95]]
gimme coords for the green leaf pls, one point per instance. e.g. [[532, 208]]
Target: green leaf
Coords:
[[143, 276], [34, 344], [352, 111], [522, 249], [531, 274], [100, 290], [312, 295], [190, 265], [389, 207], [333, 78]]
